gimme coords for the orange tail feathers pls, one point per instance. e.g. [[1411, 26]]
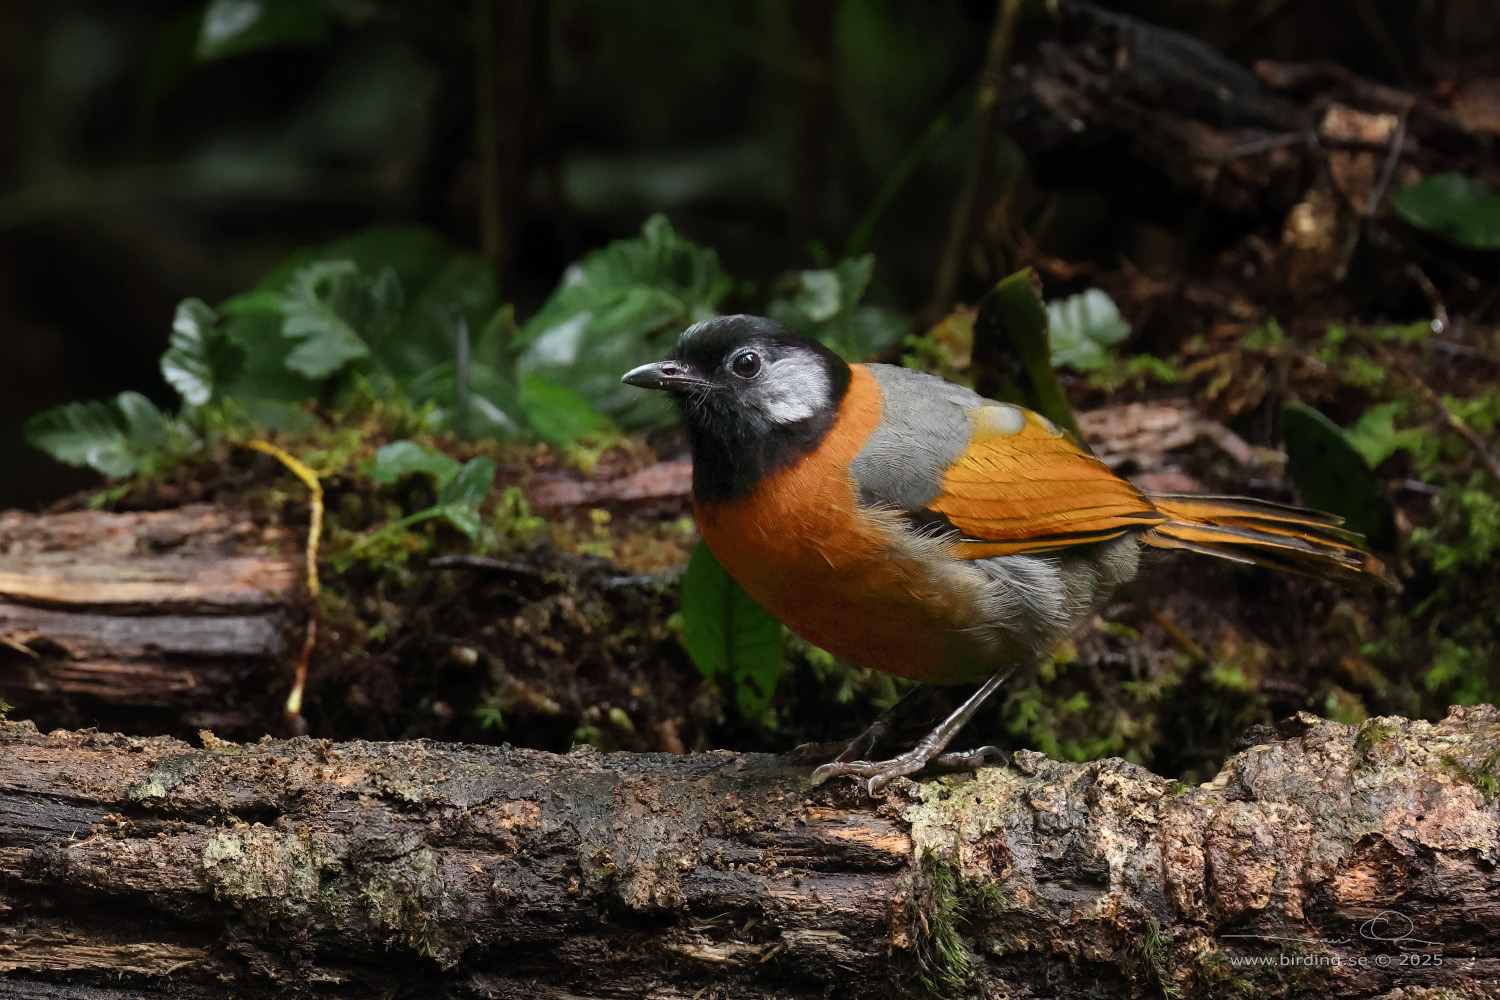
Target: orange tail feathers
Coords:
[[1306, 542]]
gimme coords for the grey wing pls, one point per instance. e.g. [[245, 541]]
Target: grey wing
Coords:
[[925, 424]]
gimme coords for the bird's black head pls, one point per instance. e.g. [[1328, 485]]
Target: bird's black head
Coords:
[[756, 395]]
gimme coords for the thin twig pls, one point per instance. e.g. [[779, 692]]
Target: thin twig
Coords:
[[1285, 139]]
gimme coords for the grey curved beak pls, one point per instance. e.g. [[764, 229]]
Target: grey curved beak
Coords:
[[670, 376]]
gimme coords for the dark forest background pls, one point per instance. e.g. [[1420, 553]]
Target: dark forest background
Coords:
[[135, 174]]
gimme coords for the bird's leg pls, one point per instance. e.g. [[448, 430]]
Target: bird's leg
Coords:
[[877, 774], [871, 738]]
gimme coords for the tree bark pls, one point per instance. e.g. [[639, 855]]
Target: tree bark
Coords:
[[169, 617], [311, 868]]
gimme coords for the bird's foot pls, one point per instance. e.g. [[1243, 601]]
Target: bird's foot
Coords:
[[874, 776]]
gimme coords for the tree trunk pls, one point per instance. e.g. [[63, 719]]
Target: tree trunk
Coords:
[[1348, 857]]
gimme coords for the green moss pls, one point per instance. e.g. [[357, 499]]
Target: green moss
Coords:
[[1484, 774], [1375, 732], [406, 897], [1156, 948], [1216, 979], [945, 968]]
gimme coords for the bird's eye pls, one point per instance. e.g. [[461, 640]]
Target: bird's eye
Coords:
[[746, 364]]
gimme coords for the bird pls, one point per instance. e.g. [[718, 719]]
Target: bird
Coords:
[[906, 523]]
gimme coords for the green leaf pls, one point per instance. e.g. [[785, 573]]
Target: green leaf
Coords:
[[230, 27], [730, 638], [1331, 474], [470, 486], [1082, 327], [199, 357], [1462, 209], [1010, 337], [336, 311], [1375, 435], [402, 458], [263, 386], [146, 427], [556, 413], [118, 438], [438, 283], [619, 307], [824, 303]]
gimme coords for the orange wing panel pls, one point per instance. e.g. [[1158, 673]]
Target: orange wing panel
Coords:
[[1035, 489]]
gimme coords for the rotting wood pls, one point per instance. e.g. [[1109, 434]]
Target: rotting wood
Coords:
[[319, 869], [184, 611]]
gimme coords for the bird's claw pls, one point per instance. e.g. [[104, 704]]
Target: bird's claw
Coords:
[[873, 776]]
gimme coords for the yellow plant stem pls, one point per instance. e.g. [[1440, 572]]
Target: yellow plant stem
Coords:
[[293, 708]]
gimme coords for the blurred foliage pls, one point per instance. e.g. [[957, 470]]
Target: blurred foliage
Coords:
[[1335, 475], [1462, 209], [620, 307], [731, 639]]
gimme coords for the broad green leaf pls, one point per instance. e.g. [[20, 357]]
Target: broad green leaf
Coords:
[[117, 438], [199, 357], [337, 312], [402, 458], [1463, 209], [471, 485], [556, 413], [617, 308], [463, 517], [233, 26], [146, 428], [83, 434], [438, 283], [731, 639], [817, 295], [263, 386], [1082, 327], [1375, 435], [1331, 474]]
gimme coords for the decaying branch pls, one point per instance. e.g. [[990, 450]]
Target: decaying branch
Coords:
[[320, 869]]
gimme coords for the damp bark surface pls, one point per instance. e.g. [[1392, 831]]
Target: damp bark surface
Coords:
[[1346, 859]]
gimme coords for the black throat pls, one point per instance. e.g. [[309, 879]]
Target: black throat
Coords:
[[730, 459]]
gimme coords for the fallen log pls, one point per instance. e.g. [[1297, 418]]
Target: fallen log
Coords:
[[1327, 860], [170, 621], [171, 617]]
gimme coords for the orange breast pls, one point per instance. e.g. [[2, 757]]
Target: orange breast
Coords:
[[840, 576]]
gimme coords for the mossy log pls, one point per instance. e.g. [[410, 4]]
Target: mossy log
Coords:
[[1348, 858], [170, 621]]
